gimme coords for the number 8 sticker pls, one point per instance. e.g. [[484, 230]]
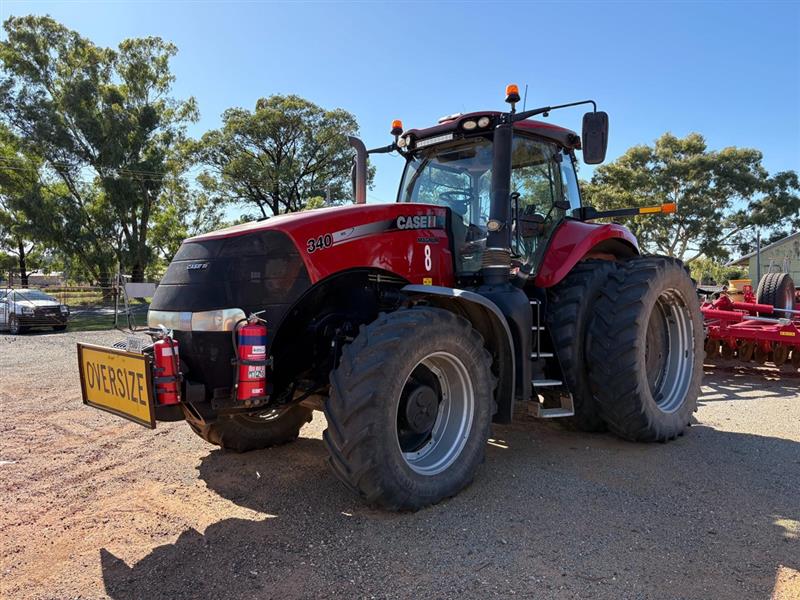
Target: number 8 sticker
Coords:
[[428, 264]]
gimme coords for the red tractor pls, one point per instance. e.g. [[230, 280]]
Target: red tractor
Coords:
[[415, 325]]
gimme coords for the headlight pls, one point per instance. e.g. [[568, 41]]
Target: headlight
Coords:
[[469, 125], [484, 121], [210, 320], [401, 142], [27, 310], [64, 309]]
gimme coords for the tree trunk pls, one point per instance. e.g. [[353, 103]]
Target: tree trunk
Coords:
[[137, 272], [105, 285], [23, 267]]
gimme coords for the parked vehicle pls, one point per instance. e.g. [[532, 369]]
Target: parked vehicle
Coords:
[[22, 309], [414, 325]]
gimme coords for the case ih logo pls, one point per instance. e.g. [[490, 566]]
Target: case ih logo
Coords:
[[416, 222], [196, 266]]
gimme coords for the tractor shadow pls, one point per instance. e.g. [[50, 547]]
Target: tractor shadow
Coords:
[[552, 513], [729, 380]]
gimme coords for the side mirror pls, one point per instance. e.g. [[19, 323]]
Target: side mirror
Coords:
[[529, 223], [594, 138], [562, 204]]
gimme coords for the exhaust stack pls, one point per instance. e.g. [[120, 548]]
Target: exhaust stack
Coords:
[[359, 170]]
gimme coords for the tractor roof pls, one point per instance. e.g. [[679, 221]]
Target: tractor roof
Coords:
[[560, 135]]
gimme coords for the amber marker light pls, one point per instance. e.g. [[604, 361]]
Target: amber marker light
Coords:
[[397, 127], [667, 208], [512, 93]]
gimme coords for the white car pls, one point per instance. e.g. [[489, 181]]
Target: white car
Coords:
[[24, 308]]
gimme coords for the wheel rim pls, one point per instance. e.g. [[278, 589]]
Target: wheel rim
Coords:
[[431, 438], [787, 302], [669, 350]]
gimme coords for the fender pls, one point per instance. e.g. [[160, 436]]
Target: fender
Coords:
[[489, 320], [573, 240]]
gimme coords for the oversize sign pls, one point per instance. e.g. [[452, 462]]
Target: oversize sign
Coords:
[[118, 382]]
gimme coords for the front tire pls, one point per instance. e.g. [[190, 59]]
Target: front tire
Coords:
[[410, 407], [242, 433], [14, 328], [646, 350]]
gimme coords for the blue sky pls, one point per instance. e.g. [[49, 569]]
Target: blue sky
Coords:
[[729, 70]]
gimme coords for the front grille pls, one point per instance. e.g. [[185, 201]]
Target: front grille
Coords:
[[259, 271]]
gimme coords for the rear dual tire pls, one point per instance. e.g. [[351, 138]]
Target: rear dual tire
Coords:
[[645, 349], [571, 305]]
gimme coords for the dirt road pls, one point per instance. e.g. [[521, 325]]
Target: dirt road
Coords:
[[94, 507]]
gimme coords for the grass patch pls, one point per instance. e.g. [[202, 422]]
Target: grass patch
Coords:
[[90, 322]]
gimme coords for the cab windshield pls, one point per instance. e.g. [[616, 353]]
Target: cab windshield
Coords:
[[458, 176]]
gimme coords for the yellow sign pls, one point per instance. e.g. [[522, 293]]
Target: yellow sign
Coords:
[[427, 281], [118, 382], [788, 333]]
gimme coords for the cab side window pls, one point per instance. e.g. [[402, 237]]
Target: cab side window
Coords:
[[569, 180], [537, 177]]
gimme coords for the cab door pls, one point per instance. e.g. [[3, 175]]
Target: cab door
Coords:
[[545, 189]]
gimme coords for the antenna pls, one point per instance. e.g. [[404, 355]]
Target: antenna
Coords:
[[525, 99]]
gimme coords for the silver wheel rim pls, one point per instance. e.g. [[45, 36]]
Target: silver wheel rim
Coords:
[[669, 350], [439, 449]]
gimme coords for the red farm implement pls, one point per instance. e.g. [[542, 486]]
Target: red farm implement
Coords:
[[755, 330]]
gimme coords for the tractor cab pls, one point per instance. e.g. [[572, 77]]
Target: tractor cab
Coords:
[[507, 180], [457, 173]]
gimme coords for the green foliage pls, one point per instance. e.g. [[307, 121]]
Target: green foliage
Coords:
[[18, 186], [721, 195], [711, 272], [107, 130], [279, 156], [183, 213], [315, 202]]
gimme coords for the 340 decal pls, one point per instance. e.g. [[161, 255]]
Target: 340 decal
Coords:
[[319, 243]]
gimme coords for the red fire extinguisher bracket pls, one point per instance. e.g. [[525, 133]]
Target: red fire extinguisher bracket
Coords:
[[251, 361]]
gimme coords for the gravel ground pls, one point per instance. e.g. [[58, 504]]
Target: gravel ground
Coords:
[[95, 507]]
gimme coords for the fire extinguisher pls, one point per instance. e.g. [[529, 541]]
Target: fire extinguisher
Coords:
[[251, 337], [165, 352]]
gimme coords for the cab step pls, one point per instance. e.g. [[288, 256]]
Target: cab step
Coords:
[[546, 382], [537, 408]]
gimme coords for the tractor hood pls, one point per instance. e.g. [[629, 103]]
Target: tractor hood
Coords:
[[344, 215], [330, 240]]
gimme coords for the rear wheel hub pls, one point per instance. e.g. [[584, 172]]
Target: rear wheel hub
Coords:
[[422, 406]]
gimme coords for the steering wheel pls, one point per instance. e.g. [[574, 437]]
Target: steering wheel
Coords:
[[459, 200]]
